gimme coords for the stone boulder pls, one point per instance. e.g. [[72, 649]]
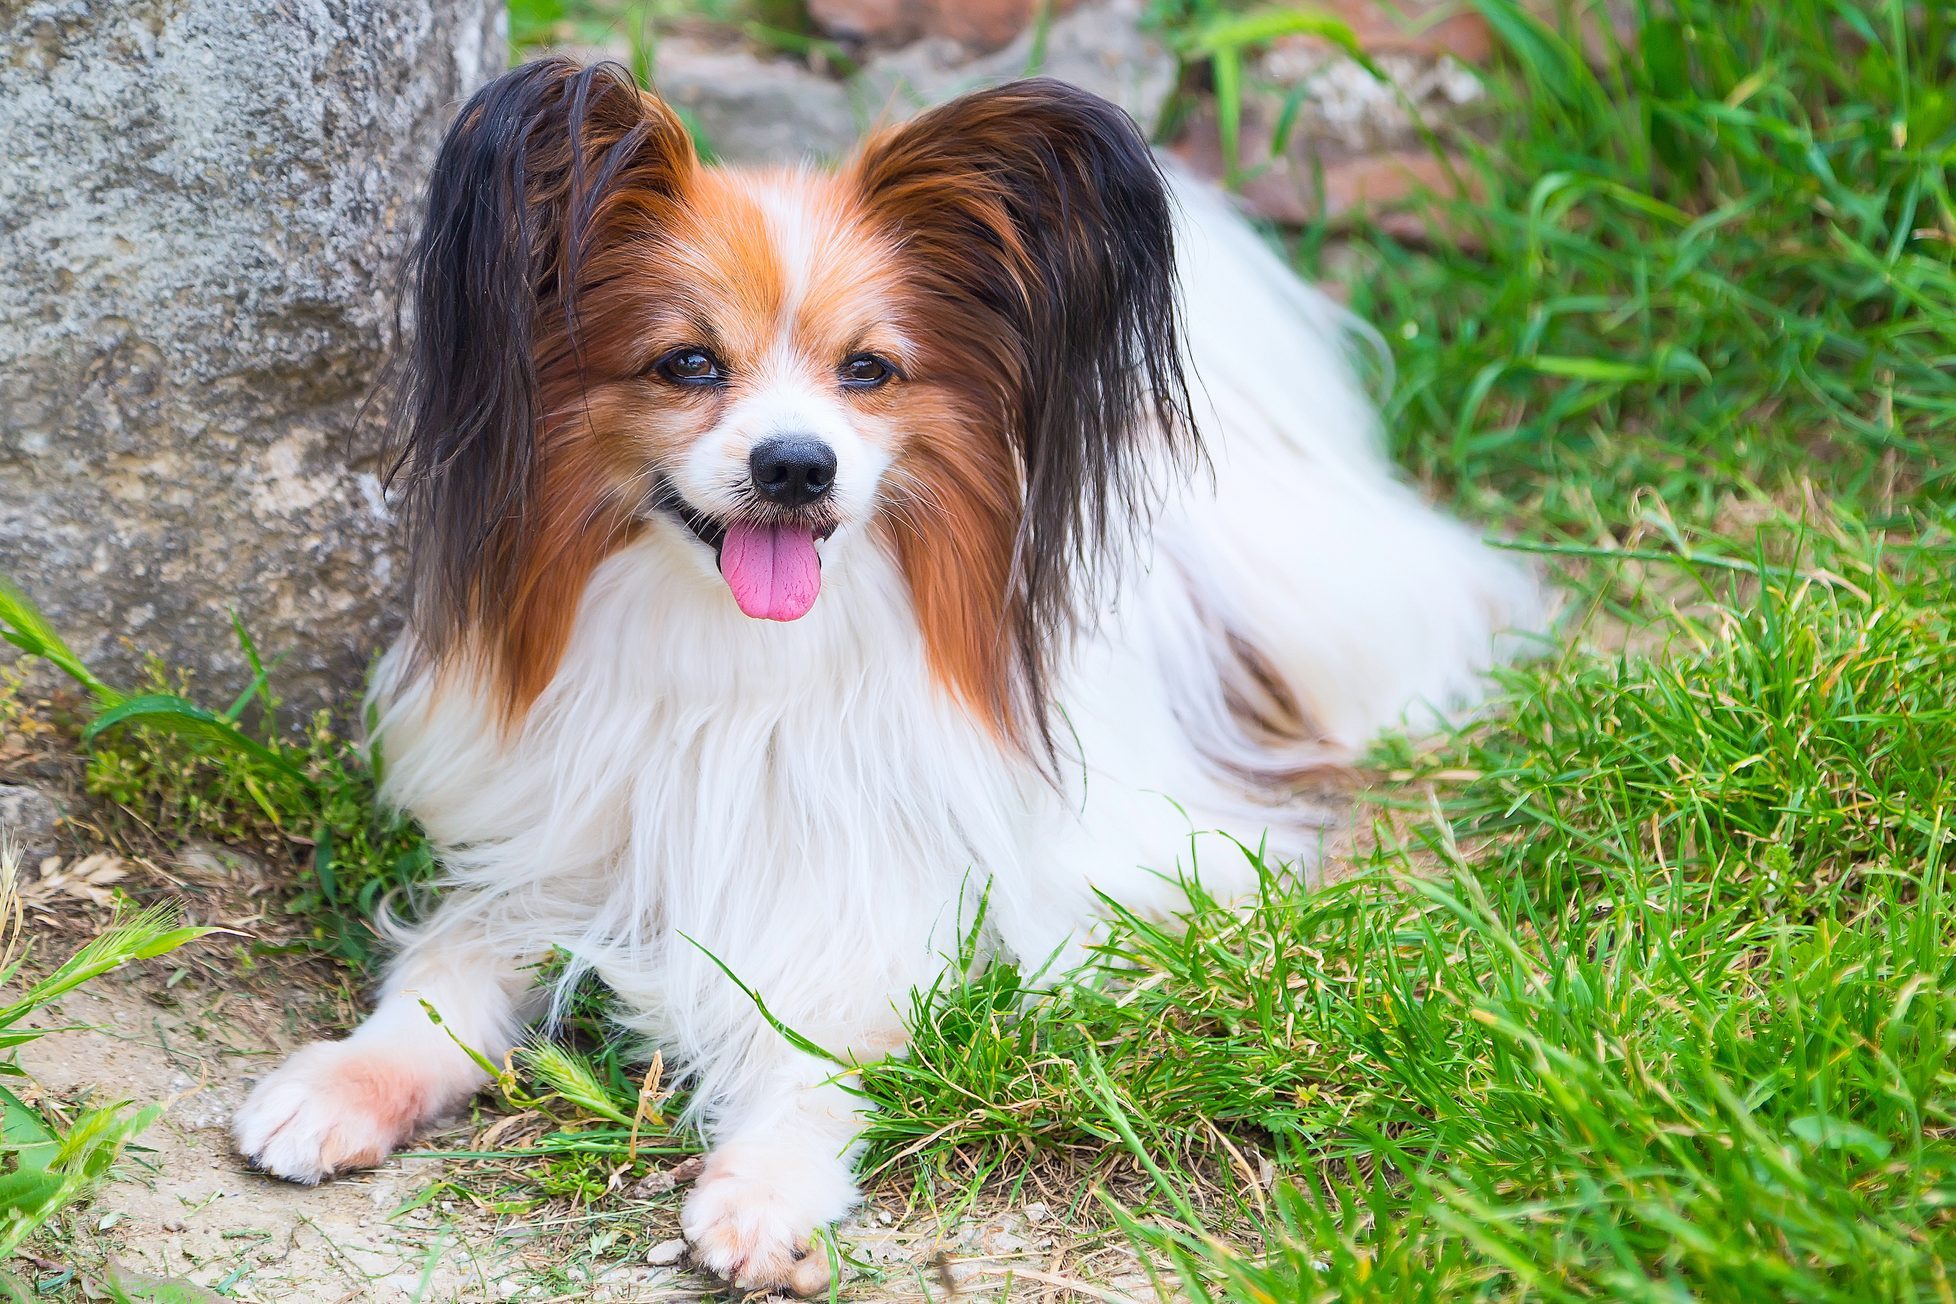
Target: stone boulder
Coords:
[[203, 205], [29, 821], [750, 106]]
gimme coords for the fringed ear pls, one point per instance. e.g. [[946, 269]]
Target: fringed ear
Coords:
[[540, 161], [1038, 228]]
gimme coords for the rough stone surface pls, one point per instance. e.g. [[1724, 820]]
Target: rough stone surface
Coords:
[[1354, 143], [752, 108], [28, 818], [1348, 110], [202, 207], [1101, 47]]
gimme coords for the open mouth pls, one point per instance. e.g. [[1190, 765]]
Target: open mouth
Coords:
[[770, 566]]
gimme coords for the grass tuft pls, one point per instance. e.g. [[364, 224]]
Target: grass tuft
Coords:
[[48, 1159], [1716, 258], [180, 770]]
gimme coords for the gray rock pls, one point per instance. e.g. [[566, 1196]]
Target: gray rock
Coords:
[[1100, 47], [202, 208], [28, 818], [748, 108], [1348, 111]]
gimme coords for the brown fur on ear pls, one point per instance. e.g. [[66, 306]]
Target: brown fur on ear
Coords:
[[953, 518], [1037, 237], [505, 503]]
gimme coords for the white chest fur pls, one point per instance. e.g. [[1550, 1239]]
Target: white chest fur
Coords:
[[694, 781]]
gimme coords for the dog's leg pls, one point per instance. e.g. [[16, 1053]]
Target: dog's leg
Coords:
[[336, 1105], [781, 1167]]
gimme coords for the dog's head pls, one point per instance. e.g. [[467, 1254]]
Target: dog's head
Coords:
[[963, 342]]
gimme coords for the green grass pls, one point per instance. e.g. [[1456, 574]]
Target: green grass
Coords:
[[1719, 266], [1656, 1004]]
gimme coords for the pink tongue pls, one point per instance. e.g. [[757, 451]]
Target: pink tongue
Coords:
[[772, 570]]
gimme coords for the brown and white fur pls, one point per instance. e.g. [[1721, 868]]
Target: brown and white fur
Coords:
[[1014, 633]]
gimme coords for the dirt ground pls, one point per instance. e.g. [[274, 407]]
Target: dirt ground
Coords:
[[193, 1030], [181, 1205]]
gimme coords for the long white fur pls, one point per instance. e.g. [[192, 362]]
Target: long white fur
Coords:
[[799, 804]]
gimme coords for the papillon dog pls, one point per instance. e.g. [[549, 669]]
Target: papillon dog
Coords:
[[801, 557]]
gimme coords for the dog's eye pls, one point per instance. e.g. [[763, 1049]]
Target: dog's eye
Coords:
[[689, 367], [866, 371]]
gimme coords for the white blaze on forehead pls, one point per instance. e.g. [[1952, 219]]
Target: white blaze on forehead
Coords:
[[812, 234], [799, 234]]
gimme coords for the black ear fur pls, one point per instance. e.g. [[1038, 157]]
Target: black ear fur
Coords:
[[492, 281], [1037, 215]]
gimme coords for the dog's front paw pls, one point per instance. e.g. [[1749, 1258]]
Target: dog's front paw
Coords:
[[753, 1211], [331, 1107]]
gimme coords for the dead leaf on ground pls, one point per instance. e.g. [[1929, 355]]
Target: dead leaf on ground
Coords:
[[91, 879]]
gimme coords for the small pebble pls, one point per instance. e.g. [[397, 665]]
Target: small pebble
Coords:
[[666, 1253], [1037, 1212]]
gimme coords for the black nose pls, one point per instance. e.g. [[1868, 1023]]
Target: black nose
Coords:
[[792, 469]]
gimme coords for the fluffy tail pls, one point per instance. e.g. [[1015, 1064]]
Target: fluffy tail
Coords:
[[1373, 607]]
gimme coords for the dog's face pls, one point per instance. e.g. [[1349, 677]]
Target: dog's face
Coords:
[[753, 377], [958, 345]]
